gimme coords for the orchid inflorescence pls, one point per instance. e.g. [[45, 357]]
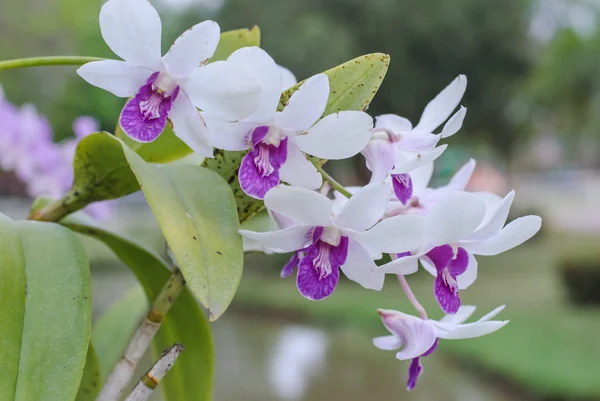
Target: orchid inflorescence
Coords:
[[234, 105]]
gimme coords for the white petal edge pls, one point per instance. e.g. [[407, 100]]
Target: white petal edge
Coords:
[[440, 108], [120, 78], [306, 105], [461, 178], [469, 330], [393, 122], [421, 176], [514, 234], [494, 219], [336, 136], [189, 126], [454, 218], [396, 234], [417, 159], [225, 90], [228, 135], [404, 266], [300, 204], [464, 312], [132, 30], [492, 314], [359, 267], [365, 207], [192, 48], [466, 279], [454, 124], [299, 171], [387, 343], [287, 240], [288, 79]]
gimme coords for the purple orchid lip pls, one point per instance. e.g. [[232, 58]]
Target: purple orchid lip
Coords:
[[318, 271], [144, 117], [403, 187], [415, 369], [259, 171], [449, 266]]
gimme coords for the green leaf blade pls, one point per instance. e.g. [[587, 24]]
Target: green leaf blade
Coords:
[[91, 381]]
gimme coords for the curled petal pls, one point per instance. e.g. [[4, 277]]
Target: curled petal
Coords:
[[387, 343], [470, 275], [455, 122], [417, 335], [495, 218], [464, 312], [440, 108], [514, 234], [132, 30], [287, 240], [469, 330]]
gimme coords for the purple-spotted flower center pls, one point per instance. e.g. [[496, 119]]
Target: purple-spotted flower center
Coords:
[[144, 117], [450, 262]]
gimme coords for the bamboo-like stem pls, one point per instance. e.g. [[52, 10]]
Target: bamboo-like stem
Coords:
[[334, 184], [46, 61], [124, 369], [152, 378]]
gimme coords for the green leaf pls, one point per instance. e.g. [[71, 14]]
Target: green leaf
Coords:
[[197, 215], [115, 327], [352, 85], [46, 311], [91, 382], [191, 377], [101, 172], [168, 147]]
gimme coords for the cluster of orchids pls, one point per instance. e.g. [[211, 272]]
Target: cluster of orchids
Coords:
[[237, 105], [28, 151]]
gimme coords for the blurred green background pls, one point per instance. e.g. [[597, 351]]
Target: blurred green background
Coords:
[[533, 123]]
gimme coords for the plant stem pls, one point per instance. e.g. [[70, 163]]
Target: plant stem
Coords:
[[152, 378], [334, 184], [46, 61], [124, 369], [60, 208], [411, 297]]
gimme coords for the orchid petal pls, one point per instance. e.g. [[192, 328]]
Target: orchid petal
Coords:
[[387, 343], [455, 123], [359, 267], [417, 335], [464, 312], [469, 330], [428, 265], [228, 135], [336, 136], [300, 204], [454, 218], [470, 275], [287, 240], [393, 122], [395, 234], [268, 75], [227, 90], [406, 162], [461, 178], [492, 314], [421, 176], [192, 48], [132, 30], [120, 78], [189, 126], [380, 156], [495, 218], [514, 234], [365, 208], [306, 105], [288, 79], [299, 171], [405, 265], [418, 142], [440, 108]]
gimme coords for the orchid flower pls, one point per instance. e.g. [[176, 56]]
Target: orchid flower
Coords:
[[278, 139], [457, 228], [172, 86], [419, 338], [331, 241], [398, 147]]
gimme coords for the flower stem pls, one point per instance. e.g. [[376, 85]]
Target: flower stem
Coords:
[[334, 184], [152, 378], [411, 297], [46, 61], [123, 371], [57, 210]]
